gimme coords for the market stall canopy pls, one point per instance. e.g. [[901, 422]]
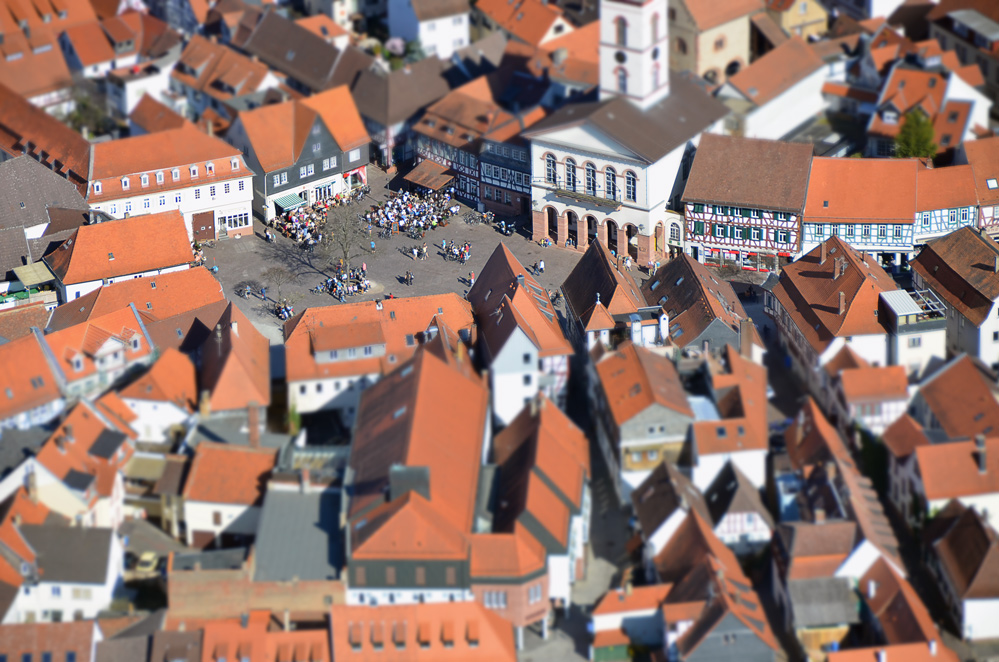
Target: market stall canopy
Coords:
[[429, 175], [289, 202]]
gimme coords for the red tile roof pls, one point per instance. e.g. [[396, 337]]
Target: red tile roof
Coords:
[[256, 641], [810, 294], [875, 384], [902, 615], [950, 470], [527, 20], [27, 377], [152, 116], [917, 652], [218, 71], [969, 556], [117, 331], [474, 633], [777, 71], [961, 400], [709, 14], [77, 446], [340, 115], [861, 191], [122, 247], [811, 439], [155, 298], [635, 378], [25, 128], [631, 599], [32, 640], [222, 473], [904, 436], [235, 364], [398, 322], [945, 188], [161, 152], [983, 156], [170, 379], [494, 555]]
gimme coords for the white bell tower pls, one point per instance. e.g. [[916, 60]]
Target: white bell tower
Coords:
[[634, 50]]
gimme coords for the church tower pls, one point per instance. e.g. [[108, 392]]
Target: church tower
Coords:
[[634, 50]]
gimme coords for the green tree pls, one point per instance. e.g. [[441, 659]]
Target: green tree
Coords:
[[916, 137]]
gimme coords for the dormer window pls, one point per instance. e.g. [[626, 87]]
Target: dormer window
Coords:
[[210, 168], [97, 188], [124, 183], [159, 178], [890, 116], [144, 179], [175, 174], [234, 164], [194, 171], [77, 364], [135, 344]]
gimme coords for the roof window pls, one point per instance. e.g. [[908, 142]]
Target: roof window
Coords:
[[678, 281], [399, 412], [992, 183], [175, 174], [194, 171], [144, 180], [110, 257], [234, 164], [159, 178], [124, 183], [210, 168], [98, 188]]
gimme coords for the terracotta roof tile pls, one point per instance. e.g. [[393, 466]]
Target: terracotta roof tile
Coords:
[[917, 652], [595, 278], [17, 322], [810, 294], [960, 269], [222, 473], [969, 556], [340, 115], [709, 14], [152, 116], [27, 378], [950, 470], [875, 384], [495, 555], [170, 379], [904, 436], [777, 71], [401, 321], [983, 156], [121, 248], [155, 298], [635, 378], [639, 598], [961, 400], [945, 188], [862, 191], [218, 71], [845, 359], [235, 363], [527, 20], [82, 341], [902, 615], [33, 640], [811, 439]]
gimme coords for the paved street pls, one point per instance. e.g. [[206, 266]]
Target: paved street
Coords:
[[246, 260]]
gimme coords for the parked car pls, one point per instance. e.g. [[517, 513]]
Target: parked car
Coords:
[[147, 562]]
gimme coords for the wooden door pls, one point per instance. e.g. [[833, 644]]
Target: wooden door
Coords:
[[203, 225]]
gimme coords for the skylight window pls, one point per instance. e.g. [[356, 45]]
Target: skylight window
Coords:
[[399, 412], [992, 183]]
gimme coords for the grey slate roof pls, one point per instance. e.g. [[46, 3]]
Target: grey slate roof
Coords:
[[392, 97], [823, 601], [232, 430], [650, 134], [212, 559], [107, 444], [19, 445], [71, 554], [130, 649], [298, 536], [24, 180], [78, 480]]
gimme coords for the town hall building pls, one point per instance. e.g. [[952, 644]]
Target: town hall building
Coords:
[[613, 170]]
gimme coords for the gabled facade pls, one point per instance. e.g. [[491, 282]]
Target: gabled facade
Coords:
[[640, 411], [208, 74], [336, 352], [521, 340], [711, 39], [531, 22], [302, 152], [964, 25], [199, 175], [32, 390], [164, 398], [962, 270], [441, 26], [743, 201], [106, 253]]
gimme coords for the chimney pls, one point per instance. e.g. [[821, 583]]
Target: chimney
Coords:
[[822, 254], [933, 647], [33, 487], [872, 589], [980, 448], [253, 421], [205, 404], [746, 338], [842, 303]]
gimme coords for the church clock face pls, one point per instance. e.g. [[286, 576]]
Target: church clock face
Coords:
[[620, 57]]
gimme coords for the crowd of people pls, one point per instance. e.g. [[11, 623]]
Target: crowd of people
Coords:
[[414, 211], [346, 282]]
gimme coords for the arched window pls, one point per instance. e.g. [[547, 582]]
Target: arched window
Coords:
[[591, 179], [622, 81], [681, 46], [610, 187], [630, 186], [674, 232], [550, 169], [621, 27], [570, 175], [655, 28]]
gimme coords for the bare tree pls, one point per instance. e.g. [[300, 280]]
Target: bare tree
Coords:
[[278, 277], [344, 234]]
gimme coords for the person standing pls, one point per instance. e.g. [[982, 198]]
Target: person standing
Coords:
[[263, 293], [471, 278], [541, 266]]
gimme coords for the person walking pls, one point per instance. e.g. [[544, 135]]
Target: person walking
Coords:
[[541, 266], [471, 278], [263, 293]]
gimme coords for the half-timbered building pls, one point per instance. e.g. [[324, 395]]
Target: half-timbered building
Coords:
[[613, 171], [983, 157], [946, 200], [743, 201], [868, 203]]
